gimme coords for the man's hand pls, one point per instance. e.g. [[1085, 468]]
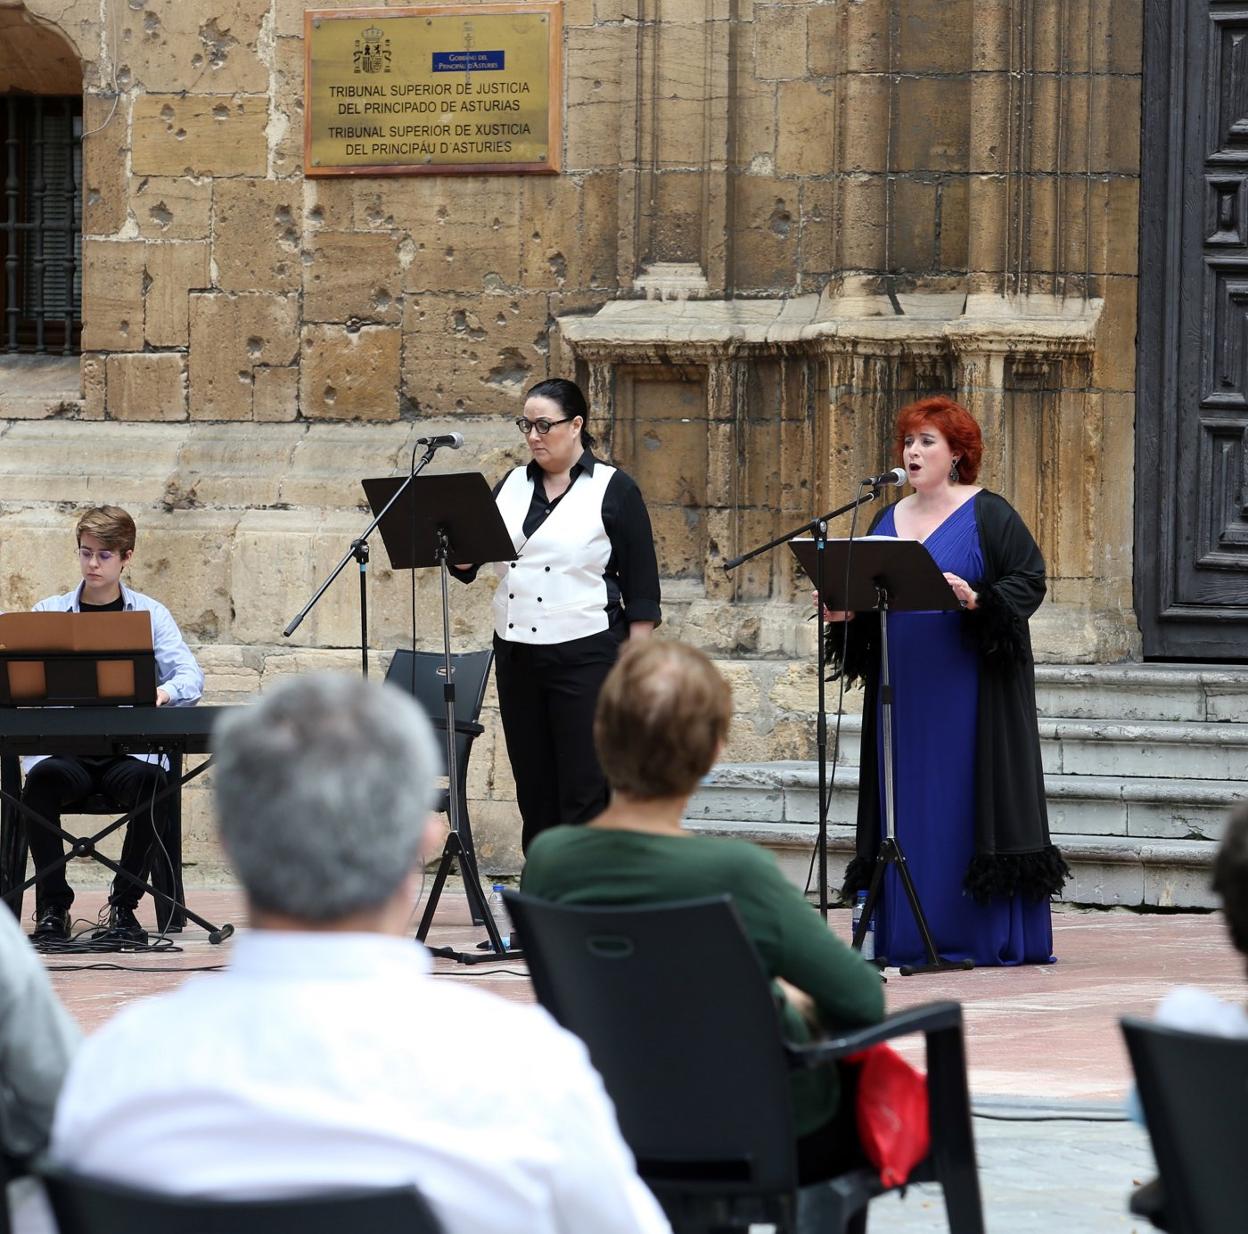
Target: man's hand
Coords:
[[162, 698]]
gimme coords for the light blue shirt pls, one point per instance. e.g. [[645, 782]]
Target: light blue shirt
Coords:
[[177, 672]]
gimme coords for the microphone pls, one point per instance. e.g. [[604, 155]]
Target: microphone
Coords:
[[451, 440], [896, 476]]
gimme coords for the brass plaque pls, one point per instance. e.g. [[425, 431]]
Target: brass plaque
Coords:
[[472, 88]]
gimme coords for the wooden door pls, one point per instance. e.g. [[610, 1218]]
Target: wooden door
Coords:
[[1191, 543]]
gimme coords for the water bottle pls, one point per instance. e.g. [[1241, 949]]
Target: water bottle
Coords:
[[868, 939], [498, 910]]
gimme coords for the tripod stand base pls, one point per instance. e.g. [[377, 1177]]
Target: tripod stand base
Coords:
[[475, 957], [941, 966], [890, 853], [453, 852]]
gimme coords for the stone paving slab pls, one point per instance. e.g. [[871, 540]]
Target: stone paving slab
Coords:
[[1047, 1066]]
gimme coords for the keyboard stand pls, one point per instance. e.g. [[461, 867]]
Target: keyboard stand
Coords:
[[15, 848]]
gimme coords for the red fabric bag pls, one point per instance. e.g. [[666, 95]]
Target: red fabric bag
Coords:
[[892, 1110]]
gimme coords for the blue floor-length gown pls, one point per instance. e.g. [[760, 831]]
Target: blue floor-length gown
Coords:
[[935, 677]]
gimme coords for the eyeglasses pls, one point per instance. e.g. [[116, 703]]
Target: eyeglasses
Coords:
[[543, 425], [104, 556]]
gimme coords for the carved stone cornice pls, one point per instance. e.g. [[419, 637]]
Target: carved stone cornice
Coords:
[[708, 331]]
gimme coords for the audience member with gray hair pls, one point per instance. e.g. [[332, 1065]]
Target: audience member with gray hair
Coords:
[[323, 796], [326, 1056]]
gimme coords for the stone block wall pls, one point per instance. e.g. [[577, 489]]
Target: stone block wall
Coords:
[[849, 202]]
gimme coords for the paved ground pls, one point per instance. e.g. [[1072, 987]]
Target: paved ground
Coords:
[[1048, 1069]]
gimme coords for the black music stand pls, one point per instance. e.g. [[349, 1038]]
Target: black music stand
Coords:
[[431, 521], [885, 575], [87, 660]]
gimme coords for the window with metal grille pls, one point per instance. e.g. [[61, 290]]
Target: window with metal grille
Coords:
[[41, 224]]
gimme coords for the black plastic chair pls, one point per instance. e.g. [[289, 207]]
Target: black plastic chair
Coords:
[[10, 1169], [423, 675], [165, 876], [679, 1019], [1194, 1090], [88, 1206]]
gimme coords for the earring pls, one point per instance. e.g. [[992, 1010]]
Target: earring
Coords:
[[953, 472]]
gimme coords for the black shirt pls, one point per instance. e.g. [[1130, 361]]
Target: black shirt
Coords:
[[113, 606]]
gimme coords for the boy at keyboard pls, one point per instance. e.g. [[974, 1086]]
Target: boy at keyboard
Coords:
[[105, 537]]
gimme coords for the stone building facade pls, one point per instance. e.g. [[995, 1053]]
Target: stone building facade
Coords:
[[773, 224]]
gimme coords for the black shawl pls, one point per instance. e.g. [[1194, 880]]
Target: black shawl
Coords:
[[1013, 852]]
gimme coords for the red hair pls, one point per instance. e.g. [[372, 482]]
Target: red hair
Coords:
[[955, 423]]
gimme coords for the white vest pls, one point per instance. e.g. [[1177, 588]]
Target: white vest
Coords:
[[554, 591]]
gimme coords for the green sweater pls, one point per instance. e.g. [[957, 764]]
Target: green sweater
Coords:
[[591, 865]]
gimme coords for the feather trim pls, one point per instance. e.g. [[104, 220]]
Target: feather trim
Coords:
[[847, 650], [1000, 634], [1033, 875], [857, 878]]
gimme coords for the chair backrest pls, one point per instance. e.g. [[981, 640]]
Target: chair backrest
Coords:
[[423, 675], [1194, 1090], [88, 1206], [679, 1019]]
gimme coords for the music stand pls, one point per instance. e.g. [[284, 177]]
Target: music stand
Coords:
[[76, 659], [435, 520], [69, 659], [885, 575]]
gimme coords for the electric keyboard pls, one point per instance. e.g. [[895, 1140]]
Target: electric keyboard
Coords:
[[108, 730]]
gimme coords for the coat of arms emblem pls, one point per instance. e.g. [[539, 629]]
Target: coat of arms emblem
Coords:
[[372, 52]]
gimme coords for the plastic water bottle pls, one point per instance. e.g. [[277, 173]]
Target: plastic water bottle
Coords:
[[498, 910], [868, 939]]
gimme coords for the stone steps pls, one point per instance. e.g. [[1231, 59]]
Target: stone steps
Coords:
[[1159, 748], [1142, 808], [1141, 765], [1105, 871], [1198, 693]]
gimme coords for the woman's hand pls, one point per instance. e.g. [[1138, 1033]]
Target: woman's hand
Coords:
[[966, 594], [828, 614], [801, 1002]]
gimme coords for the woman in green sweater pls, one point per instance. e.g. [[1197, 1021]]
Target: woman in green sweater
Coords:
[[662, 719]]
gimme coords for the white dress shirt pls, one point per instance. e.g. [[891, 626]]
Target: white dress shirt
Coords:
[[322, 1061]]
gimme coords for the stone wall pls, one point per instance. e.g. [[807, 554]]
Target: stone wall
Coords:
[[774, 222]]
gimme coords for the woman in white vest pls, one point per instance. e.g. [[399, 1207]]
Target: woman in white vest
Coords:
[[583, 580]]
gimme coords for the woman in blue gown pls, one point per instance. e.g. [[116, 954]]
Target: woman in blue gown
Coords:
[[969, 788]]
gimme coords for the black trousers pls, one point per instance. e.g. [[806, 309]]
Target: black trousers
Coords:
[[60, 781], [546, 698]]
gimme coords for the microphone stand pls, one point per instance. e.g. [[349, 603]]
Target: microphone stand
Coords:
[[818, 530], [359, 552]]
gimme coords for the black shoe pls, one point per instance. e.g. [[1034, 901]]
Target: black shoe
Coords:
[[122, 927], [52, 925]]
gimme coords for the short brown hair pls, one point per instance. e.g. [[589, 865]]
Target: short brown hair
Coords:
[[110, 525], [662, 715]]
